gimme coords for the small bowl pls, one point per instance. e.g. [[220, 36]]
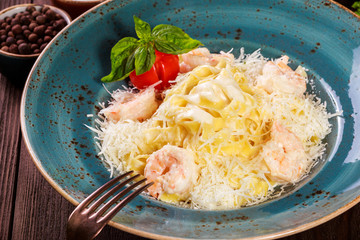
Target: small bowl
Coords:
[[18, 65], [76, 7]]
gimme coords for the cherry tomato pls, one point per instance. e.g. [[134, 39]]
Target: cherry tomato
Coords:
[[144, 80], [165, 68]]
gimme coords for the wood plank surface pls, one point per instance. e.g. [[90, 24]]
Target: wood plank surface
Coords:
[[10, 95], [9, 151], [31, 209], [41, 211]]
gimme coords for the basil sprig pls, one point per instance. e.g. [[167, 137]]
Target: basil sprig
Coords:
[[139, 54]]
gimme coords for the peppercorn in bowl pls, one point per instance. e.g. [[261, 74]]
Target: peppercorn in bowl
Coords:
[[25, 30]]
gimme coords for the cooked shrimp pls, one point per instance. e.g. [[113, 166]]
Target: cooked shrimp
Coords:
[[277, 76], [198, 57], [173, 171], [284, 155], [134, 106]]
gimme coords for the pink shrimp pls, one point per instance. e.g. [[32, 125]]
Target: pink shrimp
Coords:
[[172, 169], [134, 106], [284, 155], [277, 76], [198, 57]]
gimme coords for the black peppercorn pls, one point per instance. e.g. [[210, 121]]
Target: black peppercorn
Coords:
[[45, 9], [39, 30], [34, 14], [33, 37], [34, 46], [24, 48], [26, 33], [48, 32], [10, 34], [3, 38], [32, 26], [5, 48], [59, 24], [30, 9], [13, 48], [2, 32], [8, 20], [14, 21], [16, 29], [50, 14], [10, 40], [43, 46], [40, 41], [25, 20], [20, 41], [40, 19], [47, 39]]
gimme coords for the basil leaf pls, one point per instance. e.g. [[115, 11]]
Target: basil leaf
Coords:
[[142, 28], [144, 58], [130, 53], [166, 46], [173, 40], [122, 63], [130, 63]]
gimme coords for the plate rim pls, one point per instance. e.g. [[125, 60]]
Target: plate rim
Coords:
[[63, 193]]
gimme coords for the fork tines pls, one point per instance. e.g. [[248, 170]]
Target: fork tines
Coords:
[[104, 197], [87, 220]]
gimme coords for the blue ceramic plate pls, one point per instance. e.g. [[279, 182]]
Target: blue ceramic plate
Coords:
[[64, 86]]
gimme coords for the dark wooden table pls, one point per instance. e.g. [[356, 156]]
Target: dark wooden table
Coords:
[[31, 209]]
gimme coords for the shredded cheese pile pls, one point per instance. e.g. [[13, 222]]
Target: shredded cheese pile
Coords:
[[219, 114]]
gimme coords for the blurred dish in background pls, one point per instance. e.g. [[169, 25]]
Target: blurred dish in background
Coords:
[[76, 7]]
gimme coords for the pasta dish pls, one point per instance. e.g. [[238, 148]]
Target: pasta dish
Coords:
[[228, 133]]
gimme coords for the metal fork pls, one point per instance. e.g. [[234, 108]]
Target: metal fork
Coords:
[[87, 222]]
